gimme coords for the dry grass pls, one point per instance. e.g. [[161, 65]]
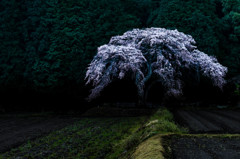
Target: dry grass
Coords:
[[150, 149]]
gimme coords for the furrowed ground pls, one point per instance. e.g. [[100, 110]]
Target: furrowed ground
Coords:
[[202, 146], [154, 135], [102, 138], [86, 138], [214, 134]]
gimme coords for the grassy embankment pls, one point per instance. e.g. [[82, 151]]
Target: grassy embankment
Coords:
[[108, 138]]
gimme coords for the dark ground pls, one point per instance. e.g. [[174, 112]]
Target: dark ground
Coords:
[[201, 143], [190, 147], [209, 121], [15, 129]]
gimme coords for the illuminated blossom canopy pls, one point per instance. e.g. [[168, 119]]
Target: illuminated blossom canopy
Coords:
[[154, 53]]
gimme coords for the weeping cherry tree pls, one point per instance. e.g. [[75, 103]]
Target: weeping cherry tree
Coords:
[[154, 53]]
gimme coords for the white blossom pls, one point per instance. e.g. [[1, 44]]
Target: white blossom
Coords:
[[143, 53]]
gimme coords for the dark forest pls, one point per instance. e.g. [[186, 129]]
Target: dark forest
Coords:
[[119, 79], [46, 46]]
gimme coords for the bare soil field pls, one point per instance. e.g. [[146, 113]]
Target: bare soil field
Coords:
[[210, 133], [18, 129], [15, 130], [205, 147], [214, 134], [209, 121]]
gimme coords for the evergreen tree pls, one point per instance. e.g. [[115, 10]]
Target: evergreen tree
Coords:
[[12, 49], [230, 35]]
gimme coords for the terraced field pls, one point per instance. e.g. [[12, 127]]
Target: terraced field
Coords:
[[214, 134], [86, 138], [211, 121], [15, 130], [205, 147]]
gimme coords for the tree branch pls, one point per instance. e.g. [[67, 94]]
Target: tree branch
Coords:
[[149, 67]]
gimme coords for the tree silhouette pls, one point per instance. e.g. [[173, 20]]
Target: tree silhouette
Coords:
[[154, 53]]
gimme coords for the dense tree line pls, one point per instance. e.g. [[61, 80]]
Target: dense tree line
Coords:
[[46, 45]]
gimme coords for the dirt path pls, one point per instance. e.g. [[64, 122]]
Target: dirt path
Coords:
[[15, 130], [214, 121]]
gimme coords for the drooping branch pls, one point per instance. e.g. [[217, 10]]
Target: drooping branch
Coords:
[[152, 52], [149, 74]]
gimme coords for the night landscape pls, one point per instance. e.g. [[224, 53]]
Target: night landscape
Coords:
[[120, 79]]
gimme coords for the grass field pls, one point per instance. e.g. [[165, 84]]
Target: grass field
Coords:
[[154, 135], [97, 138]]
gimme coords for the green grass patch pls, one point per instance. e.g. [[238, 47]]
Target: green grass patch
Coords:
[[88, 138], [160, 123], [100, 138], [150, 149]]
